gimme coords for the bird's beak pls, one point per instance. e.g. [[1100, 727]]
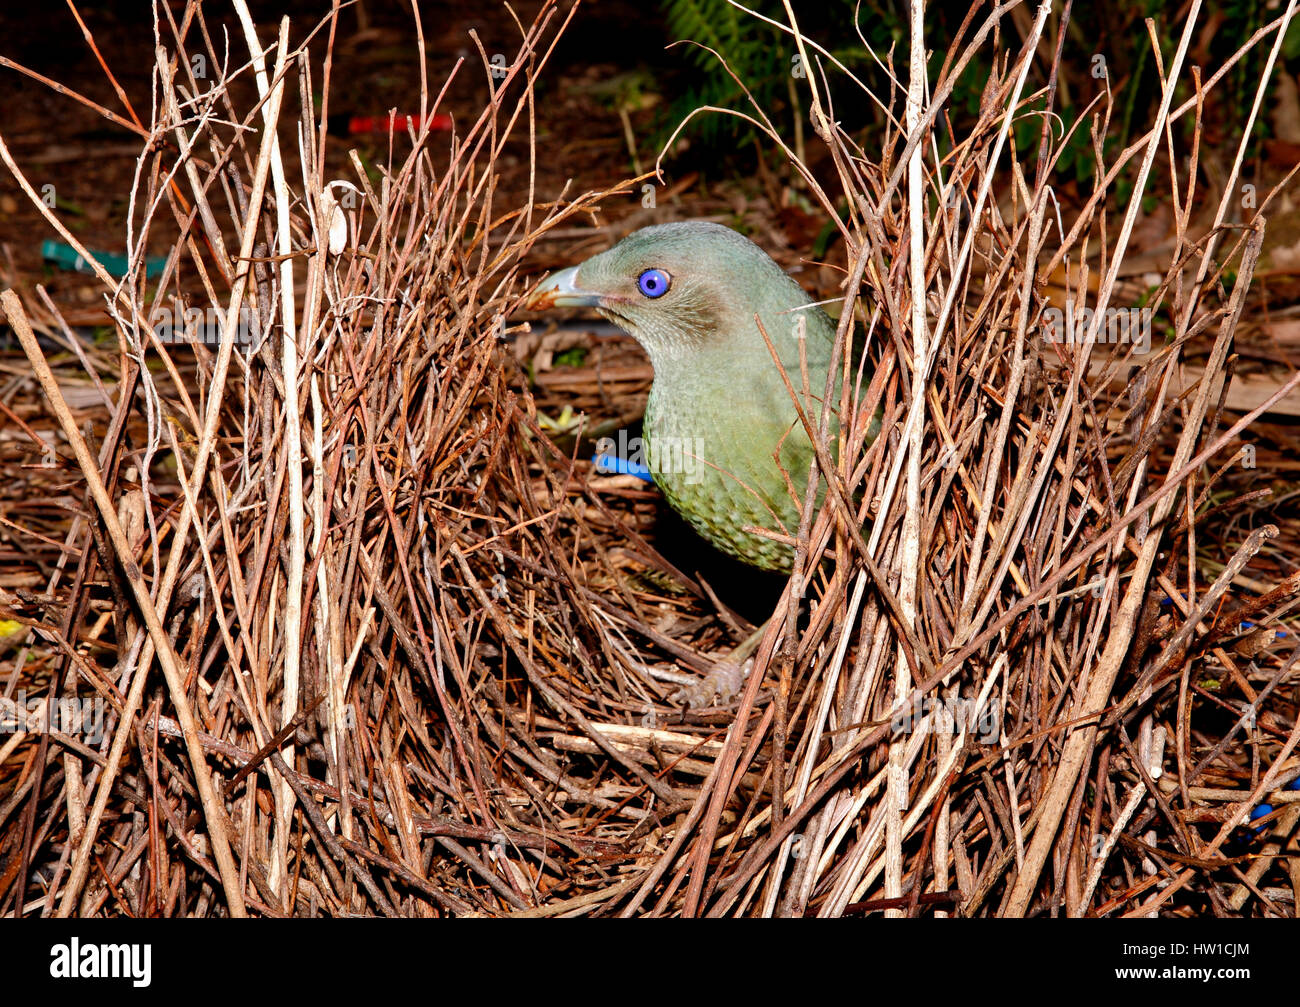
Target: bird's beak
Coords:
[[560, 290]]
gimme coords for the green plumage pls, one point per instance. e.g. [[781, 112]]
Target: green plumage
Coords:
[[719, 410]]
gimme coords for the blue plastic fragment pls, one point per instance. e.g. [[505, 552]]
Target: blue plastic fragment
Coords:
[[1267, 809], [114, 263], [1260, 811], [1244, 626], [1250, 625], [614, 465]]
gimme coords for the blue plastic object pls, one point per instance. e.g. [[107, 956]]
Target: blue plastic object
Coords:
[[115, 264], [614, 465]]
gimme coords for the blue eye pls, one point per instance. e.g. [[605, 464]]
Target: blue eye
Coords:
[[653, 282]]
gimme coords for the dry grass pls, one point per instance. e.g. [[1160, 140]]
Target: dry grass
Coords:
[[404, 639]]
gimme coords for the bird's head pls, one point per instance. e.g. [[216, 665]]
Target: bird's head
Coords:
[[679, 288]]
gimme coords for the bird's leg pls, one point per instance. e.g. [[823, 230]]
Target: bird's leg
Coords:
[[721, 685]]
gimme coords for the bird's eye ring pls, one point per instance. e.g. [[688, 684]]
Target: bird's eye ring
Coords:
[[654, 283]]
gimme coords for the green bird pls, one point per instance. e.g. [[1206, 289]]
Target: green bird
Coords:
[[719, 414]]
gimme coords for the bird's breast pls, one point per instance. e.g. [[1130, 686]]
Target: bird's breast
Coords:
[[712, 441]]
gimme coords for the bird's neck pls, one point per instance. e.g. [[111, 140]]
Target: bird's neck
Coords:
[[738, 378]]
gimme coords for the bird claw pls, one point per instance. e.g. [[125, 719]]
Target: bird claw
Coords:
[[718, 688]]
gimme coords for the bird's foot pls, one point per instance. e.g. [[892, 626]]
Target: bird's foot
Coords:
[[717, 688]]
